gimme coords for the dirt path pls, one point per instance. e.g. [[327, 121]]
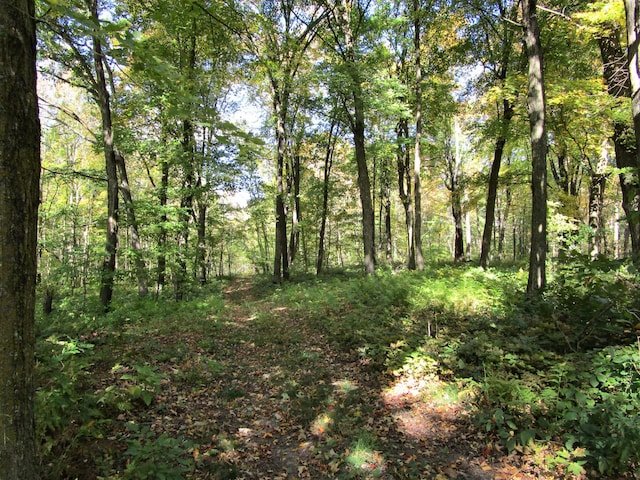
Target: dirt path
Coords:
[[267, 397]]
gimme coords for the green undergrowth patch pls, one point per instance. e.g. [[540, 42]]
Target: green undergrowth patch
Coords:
[[94, 370], [557, 374]]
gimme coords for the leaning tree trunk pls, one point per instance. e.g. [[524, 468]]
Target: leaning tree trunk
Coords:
[[102, 97], [492, 189], [19, 198], [536, 105]]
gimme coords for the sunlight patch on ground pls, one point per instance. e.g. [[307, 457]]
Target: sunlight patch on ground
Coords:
[[423, 407]]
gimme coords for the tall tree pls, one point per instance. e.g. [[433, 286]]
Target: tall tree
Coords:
[[19, 197], [536, 105], [278, 35], [417, 151], [348, 25], [495, 34], [632, 11]]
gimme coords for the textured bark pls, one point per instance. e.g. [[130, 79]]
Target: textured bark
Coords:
[[104, 102], [364, 184], [19, 197], [536, 105]]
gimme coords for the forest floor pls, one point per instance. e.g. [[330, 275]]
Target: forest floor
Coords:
[[260, 393]]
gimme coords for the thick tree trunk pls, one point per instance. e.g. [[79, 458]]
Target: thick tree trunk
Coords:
[[19, 197], [103, 100], [125, 190], [364, 184], [536, 105]]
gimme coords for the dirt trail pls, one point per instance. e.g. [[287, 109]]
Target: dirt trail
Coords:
[[270, 398]]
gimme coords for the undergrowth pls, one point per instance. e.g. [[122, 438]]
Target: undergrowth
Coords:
[[558, 375]]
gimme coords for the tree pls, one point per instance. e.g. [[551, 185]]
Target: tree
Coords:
[[536, 106], [348, 24], [632, 11], [19, 197], [495, 37]]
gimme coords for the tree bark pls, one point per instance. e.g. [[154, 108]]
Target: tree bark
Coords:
[[281, 259], [536, 104], [364, 184], [19, 198], [616, 76], [104, 103], [492, 189], [456, 211]]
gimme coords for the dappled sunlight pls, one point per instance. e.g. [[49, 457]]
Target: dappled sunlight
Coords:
[[424, 407]]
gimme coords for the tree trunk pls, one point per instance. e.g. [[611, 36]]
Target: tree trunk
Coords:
[[616, 76], [19, 198], [328, 161], [364, 185], [186, 211], [281, 259], [125, 190], [417, 160], [492, 189], [536, 105], [103, 100], [162, 238], [404, 188], [456, 211], [294, 240], [202, 243]]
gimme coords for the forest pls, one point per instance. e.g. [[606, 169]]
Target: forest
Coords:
[[346, 239]]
